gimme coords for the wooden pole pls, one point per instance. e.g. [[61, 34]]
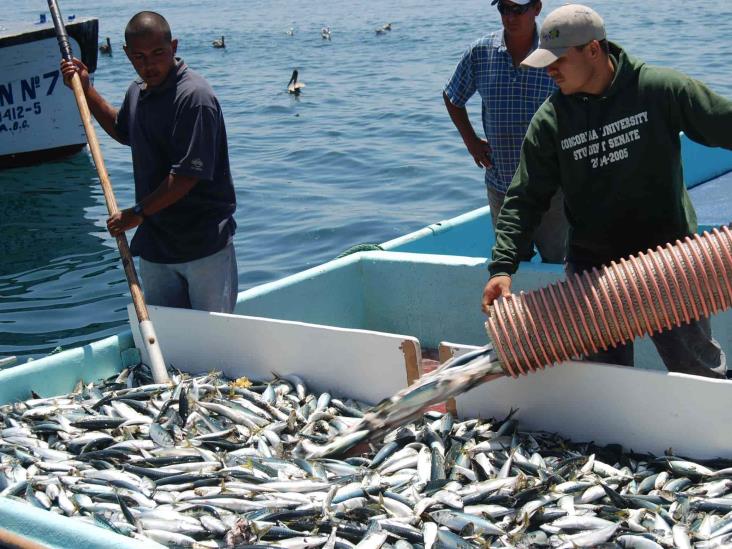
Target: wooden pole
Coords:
[[157, 364]]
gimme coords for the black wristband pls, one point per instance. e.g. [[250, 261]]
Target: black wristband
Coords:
[[137, 209]]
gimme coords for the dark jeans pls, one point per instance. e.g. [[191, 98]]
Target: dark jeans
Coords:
[[688, 349]]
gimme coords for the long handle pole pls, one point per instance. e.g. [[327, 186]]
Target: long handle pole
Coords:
[[14, 541], [157, 364]]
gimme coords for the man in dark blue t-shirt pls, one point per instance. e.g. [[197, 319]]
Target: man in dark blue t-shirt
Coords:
[[173, 123]]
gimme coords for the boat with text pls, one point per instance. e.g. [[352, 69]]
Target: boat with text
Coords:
[[39, 120]]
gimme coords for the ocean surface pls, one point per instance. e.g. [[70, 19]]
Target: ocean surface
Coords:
[[366, 153]]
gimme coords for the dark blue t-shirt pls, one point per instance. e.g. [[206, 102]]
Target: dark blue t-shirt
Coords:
[[178, 128]]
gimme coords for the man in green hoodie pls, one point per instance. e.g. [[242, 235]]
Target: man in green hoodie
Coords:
[[609, 138]]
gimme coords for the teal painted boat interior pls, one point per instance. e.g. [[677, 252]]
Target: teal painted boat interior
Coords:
[[431, 297], [470, 234], [702, 164], [59, 373], [57, 532]]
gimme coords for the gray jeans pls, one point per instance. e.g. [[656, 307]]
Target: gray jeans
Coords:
[[688, 349], [206, 284], [550, 236]]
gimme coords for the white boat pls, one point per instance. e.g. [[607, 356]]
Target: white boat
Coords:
[[359, 326], [39, 119]]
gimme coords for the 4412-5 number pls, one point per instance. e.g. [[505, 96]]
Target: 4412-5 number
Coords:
[[19, 112]]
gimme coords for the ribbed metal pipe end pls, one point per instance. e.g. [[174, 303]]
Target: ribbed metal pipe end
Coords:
[[599, 309]]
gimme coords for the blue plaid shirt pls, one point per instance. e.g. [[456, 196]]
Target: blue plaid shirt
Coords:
[[510, 96]]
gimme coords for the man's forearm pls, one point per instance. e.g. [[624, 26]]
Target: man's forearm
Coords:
[[103, 112], [459, 117], [170, 191]]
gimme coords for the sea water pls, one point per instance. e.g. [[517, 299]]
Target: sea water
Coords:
[[365, 154]]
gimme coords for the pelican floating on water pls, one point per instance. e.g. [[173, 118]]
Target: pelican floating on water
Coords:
[[291, 32], [293, 86], [325, 33], [219, 43], [387, 27], [106, 48]]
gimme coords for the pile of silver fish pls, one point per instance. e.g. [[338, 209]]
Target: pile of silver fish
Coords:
[[210, 462], [457, 375]]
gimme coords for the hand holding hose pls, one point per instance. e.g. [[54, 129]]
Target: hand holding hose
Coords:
[[497, 286]]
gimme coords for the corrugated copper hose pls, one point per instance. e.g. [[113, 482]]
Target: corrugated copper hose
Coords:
[[599, 309]]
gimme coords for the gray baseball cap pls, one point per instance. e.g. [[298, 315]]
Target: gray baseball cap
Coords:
[[570, 25]]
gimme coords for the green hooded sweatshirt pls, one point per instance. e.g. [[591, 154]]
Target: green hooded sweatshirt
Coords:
[[617, 158]]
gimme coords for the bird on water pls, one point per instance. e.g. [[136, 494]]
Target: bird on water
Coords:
[[293, 86], [106, 48]]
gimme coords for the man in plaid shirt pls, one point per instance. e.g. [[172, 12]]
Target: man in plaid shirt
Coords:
[[511, 95]]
